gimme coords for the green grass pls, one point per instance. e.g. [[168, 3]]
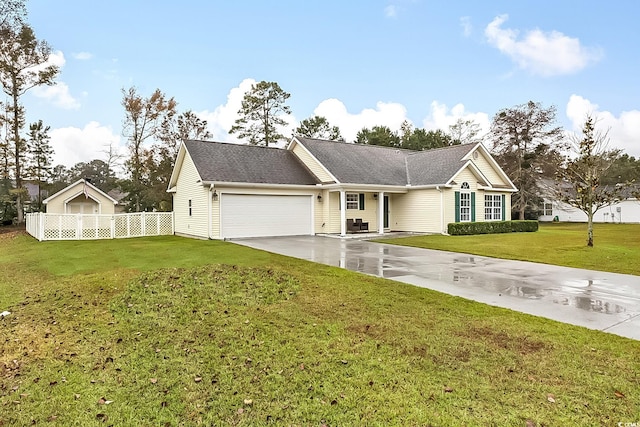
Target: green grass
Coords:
[[616, 246], [173, 331]]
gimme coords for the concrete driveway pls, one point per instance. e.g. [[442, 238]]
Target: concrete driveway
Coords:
[[603, 301]]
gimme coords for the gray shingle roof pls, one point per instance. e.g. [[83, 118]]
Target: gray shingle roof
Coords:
[[371, 164], [360, 163], [437, 166], [223, 162]]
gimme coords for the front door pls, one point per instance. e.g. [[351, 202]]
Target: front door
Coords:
[[385, 222]]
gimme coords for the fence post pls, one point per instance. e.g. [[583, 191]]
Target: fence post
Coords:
[[41, 219], [113, 226]]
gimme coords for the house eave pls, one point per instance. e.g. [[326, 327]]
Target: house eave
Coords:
[[217, 184], [429, 186], [497, 189], [365, 187]]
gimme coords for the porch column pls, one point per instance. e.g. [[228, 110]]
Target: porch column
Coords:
[[343, 213], [381, 212]]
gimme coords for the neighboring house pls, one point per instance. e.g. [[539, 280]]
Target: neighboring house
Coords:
[[625, 211], [314, 187], [81, 197], [117, 195]]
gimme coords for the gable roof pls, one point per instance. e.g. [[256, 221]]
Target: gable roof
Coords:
[[372, 164], [359, 163], [85, 184], [225, 162], [439, 166]]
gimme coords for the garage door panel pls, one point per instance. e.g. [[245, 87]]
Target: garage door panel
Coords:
[[251, 215]]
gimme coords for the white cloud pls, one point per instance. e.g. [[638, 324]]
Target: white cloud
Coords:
[[467, 27], [441, 117], [83, 56], [58, 95], [624, 130], [72, 145], [390, 11], [220, 120], [390, 114], [385, 114], [545, 54]]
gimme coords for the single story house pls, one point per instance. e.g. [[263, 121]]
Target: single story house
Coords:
[[624, 211], [81, 197], [314, 186]]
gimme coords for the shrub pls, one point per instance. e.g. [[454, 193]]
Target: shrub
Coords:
[[524, 226], [493, 227]]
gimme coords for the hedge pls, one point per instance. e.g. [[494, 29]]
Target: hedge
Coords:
[[468, 228]]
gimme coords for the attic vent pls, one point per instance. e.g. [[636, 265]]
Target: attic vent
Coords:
[[475, 155]]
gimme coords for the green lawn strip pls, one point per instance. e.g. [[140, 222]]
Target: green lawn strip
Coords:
[[259, 339], [616, 249]]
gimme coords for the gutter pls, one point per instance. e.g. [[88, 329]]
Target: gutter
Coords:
[[312, 187]]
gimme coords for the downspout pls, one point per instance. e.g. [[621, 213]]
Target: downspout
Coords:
[[210, 207], [441, 209]]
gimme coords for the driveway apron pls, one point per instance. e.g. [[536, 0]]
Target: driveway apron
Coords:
[[597, 300]]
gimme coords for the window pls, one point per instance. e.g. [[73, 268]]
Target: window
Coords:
[[190, 211], [465, 207], [353, 201], [464, 186], [547, 209], [492, 207]]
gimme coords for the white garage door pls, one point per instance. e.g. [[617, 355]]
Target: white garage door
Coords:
[[251, 215]]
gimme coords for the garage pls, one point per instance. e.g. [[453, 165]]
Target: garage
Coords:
[[261, 215]]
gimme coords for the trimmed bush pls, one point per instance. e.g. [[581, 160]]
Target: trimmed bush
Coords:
[[524, 226], [493, 227]]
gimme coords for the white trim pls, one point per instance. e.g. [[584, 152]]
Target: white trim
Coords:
[[497, 189], [366, 187], [474, 169], [381, 212], [290, 147], [357, 201], [494, 164], [343, 213], [91, 186], [309, 187], [173, 180]]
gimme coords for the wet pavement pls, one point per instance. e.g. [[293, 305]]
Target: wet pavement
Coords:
[[604, 301]]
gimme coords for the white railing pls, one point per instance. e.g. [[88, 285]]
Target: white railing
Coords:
[[45, 226]]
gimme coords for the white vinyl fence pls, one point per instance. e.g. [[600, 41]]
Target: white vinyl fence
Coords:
[[45, 226]]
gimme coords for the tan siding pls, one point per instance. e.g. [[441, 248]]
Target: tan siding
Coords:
[[311, 164], [369, 214], [333, 225], [187, 188], [449, 206], [215, 217], [319, 208], [487, 169], [417, 210], [57, 204]]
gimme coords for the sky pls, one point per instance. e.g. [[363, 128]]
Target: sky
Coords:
[[359, 63]]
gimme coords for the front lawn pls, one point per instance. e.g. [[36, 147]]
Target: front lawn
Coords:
[[169, 331], [616, 246]]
